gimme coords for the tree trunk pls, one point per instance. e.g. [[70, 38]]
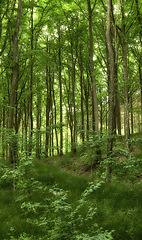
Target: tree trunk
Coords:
[[3, 133], [55, 116], [60, 84], [48, 108], [86, 90], [26, 119], [140, 57], [111, 86], [132, 117], [81, 86], [13, 142], [125, 68], [31, 84], [101, 113], [73, 98], [140, 75], [52, 133], [38, 123], [69, 107], [95, 104], [117, 102]]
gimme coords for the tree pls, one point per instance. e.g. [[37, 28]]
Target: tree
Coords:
[[60, 84], [65, 72], [125, 67], [95, 104], [13, 143], [110, 84]]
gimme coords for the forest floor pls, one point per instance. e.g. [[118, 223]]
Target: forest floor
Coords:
[[118, 204], [77, 164]]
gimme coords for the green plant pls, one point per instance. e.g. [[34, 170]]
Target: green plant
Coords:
[[19, 177], [58, 219]]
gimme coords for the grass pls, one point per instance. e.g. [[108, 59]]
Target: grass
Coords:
[[52, 174], [120, 208], [119, 204]]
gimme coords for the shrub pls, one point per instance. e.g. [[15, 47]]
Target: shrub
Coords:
[[58, 219]]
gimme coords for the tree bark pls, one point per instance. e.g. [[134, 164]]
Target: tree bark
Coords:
[[110, 85], [125, 69], [86, 90], [81, 86], [60, 84], [3, 133], [117, 101], [140, 75], [31, 83], [13, 143], [95, 104], [73, 98], [132, 117], [140, 57], [48, 108], [38, 123]]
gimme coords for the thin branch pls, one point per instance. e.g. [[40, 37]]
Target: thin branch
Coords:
[[104, 6], [81, 9], [79, 36], [94, 6], [115, 37]]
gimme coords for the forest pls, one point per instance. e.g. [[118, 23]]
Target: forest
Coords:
[[70, 119]]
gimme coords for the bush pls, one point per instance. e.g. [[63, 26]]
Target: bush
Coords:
[[58, 219]]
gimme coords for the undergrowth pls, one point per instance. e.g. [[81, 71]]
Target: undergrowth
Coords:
[[40, 200]]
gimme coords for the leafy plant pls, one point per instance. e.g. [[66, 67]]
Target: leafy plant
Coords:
[[58, 219]]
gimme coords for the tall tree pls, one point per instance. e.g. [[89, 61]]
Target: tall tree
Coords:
[[139, 17], [125, 68], [95, 103], [60, 84], [31, 76], [13, 143], [110, 84], [80, 62]]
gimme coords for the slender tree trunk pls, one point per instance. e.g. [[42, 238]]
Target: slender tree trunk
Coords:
[[101, 114], [106, 117], [52, 133], [13, 143], [38, 123], [139, 117], [69, 108], [3, 133], [48, 108], [60, 83], [95, 101], [50, 143], [17, 114], [117, 102], [73, 98], [140, 76], [140, 57], [125, 68], [95, 104], [132, 117], [81, 86], [26, 111], [31, 84], [55, 116], [111, 86], [67, 138], [86, 89]]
